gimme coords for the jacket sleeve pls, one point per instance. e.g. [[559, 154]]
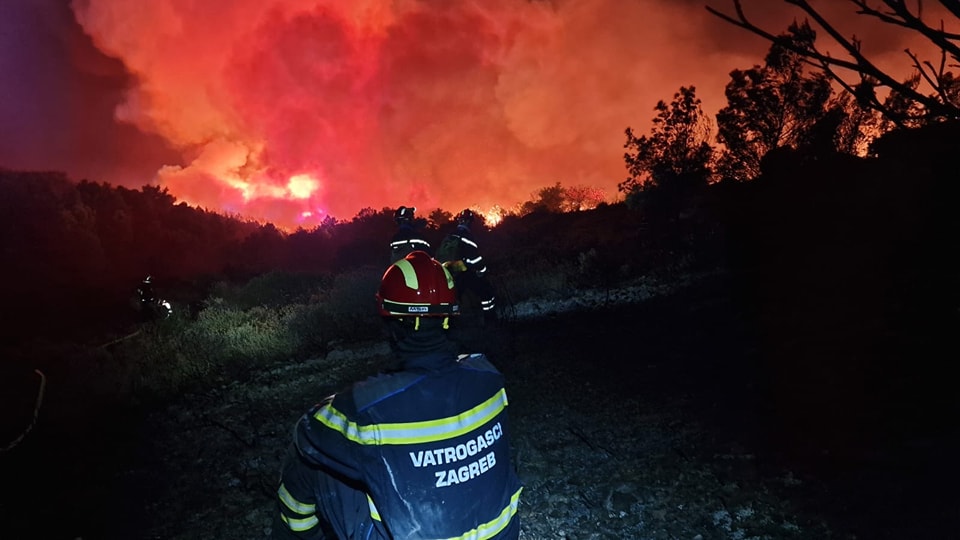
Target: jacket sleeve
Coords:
[[296, 516], [326, 437], [470, 255], [321, 440]]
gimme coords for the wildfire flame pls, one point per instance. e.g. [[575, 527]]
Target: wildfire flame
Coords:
[[493, 216], [280, 108]]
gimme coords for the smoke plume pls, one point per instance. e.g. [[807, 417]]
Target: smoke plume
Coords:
[[293, 110]]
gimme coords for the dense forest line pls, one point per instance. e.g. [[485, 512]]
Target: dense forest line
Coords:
[[77, 251], [847, 269]]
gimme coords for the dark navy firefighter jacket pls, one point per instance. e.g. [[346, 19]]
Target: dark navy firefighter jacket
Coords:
[[442, 471], [406, 240]]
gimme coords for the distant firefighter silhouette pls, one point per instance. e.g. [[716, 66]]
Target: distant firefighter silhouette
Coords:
[[460, 254], [151, 307], [408, 237]]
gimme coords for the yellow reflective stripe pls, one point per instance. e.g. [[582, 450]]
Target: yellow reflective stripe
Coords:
[[374, 513], [414, 432], [449, 276], [293, 504], [409, 274], [300, 525], [494, 526]]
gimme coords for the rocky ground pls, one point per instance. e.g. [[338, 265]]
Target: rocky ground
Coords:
[[639, 420]]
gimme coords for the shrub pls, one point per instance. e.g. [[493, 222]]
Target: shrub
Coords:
[[272, 289], [239, 329], [349, 311]]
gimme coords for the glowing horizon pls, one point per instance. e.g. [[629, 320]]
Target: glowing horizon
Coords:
[[290, 111], [464, 104]]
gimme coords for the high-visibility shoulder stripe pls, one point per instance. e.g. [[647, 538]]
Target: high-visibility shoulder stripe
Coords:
[[293, 504], [468, 241], [494, 526], [300, 525], [449, 276], [413, 432], [374, 513]]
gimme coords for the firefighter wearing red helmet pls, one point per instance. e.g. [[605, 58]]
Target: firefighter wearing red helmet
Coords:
[[422, 452]]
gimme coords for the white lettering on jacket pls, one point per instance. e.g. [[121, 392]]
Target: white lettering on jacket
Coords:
[[460, 452], [455, 454], [467, 472]]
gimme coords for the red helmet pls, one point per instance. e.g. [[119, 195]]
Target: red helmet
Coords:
[[418, 286]]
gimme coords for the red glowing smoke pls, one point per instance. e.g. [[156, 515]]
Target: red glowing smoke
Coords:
[[292, 110], [380, 103]]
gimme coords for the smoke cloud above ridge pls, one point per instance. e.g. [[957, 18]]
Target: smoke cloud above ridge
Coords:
[[292, 110]]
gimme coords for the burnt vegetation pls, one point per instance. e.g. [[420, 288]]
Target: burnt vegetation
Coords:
[[830, 217]]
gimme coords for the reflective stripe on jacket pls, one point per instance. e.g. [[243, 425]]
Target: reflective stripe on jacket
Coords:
[[470, 252], [442, 471], [406, 241]]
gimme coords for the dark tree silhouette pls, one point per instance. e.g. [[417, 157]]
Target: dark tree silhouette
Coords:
[[557, 198], [675, 159], [545, 199], [771, 106], [942, 100], [439, 219]]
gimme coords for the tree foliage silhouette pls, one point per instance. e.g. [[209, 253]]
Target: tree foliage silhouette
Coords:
[[770, 106], [674, 160], [941, 100], [558, 198]]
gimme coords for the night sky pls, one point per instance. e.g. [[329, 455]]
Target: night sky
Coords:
[[277, 109]]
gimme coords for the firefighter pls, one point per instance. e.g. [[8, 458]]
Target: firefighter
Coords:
[[145, 291], [152, 307], [461, 255], [407, 237], [421, 452]]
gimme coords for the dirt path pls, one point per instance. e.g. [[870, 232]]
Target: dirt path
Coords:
[[633, 422]]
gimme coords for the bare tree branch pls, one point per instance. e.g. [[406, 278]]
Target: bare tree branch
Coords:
[[902, 16], [899, 14], [864, 65], [952, 6], [921, 68]]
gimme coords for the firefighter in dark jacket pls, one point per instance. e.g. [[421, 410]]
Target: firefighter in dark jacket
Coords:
[[407, 238], [461, 255], [422, 452]]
